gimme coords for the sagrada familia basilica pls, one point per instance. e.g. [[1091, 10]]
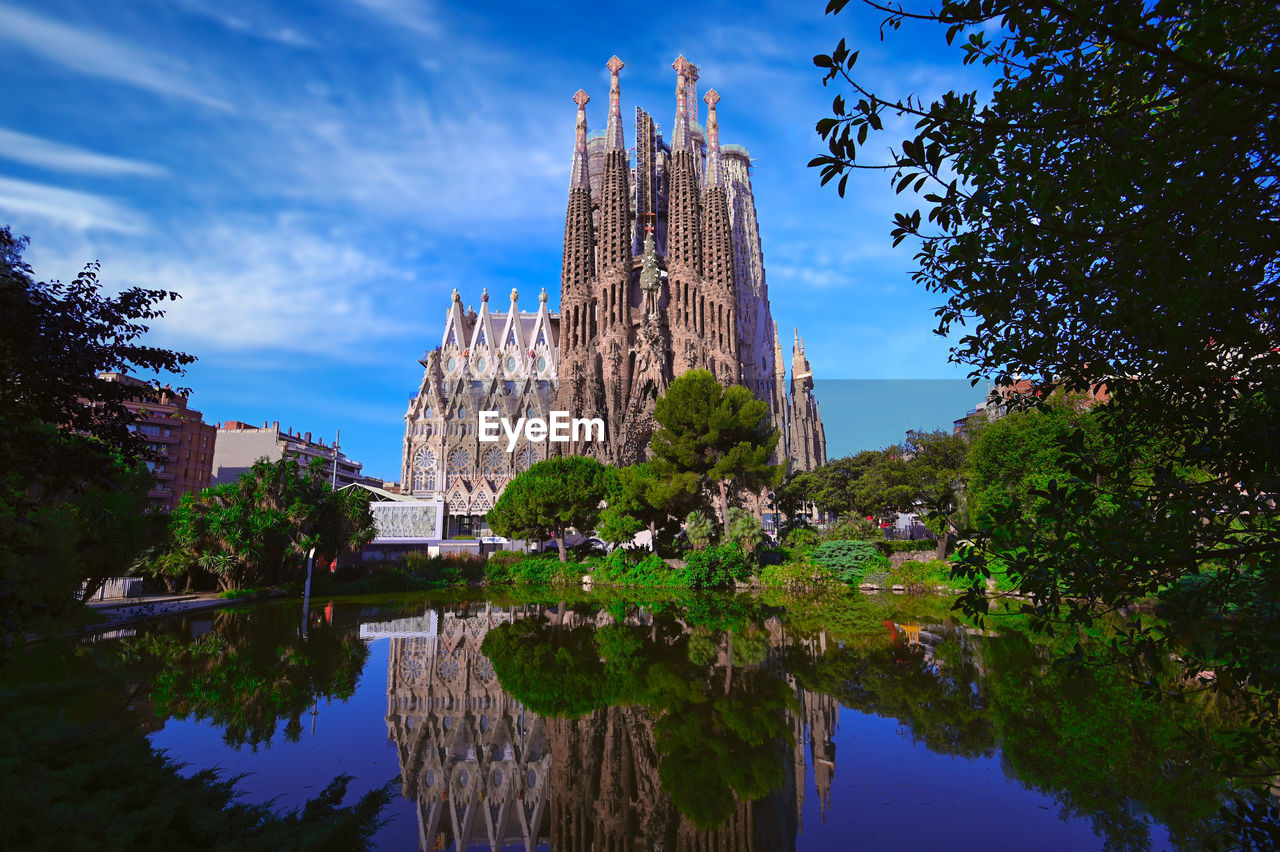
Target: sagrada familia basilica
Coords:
[[662, 273]]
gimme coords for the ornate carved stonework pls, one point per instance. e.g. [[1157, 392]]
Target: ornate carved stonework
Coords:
[[662, 272]]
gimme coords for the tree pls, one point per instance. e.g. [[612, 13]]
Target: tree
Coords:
[[711, 435], [1015, 459], [550, 498], [934, 465], [636, 501], [745, 530], [72, 489], [699, 529], [254, 530], [56, 338], [1108, 215]]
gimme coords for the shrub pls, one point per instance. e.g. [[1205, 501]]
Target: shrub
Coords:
[[921, 545], [545, 570], [649, 571], [501, 564], [796, 575], [446, 569], [715, 567], [852, 529], [801, 538], [850, 560], [918, 575]]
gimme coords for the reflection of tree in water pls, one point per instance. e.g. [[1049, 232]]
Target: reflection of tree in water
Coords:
[[1091, 740], [681, 753], [253, 670], [686, 729]]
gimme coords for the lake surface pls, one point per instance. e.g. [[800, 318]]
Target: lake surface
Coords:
[[693, 722]]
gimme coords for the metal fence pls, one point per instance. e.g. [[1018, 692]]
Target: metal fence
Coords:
[[915, 532]]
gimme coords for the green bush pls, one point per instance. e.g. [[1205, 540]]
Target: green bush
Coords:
[[446, 569], [545, 570], [850, 560], [651, 570], [797, 574], [921, 545], [501, 564], [715, 567], [801, 538], [916, 575]]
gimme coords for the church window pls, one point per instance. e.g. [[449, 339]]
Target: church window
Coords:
[[542, 364], [424, 469], [462, 411], [480, 365], [511, 363], [492, 463], [451, 364], [459, 462], [524, 457]]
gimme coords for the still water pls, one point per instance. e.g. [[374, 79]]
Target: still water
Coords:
[[698, 722]]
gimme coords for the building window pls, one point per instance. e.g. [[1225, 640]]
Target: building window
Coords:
[[459, 463]]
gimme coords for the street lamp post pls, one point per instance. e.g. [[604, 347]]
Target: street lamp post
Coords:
[[306, 591]]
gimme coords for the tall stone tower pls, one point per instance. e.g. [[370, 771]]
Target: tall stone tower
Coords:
[[662, 272], [679, 278]]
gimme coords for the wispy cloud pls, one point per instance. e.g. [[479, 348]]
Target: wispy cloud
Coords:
[[270, 287], [99, 55], [67, 207], [48, 154], [413, 15], [250, 22], [447, 158]]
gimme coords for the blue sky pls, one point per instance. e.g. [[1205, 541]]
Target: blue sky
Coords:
[[315, 179]]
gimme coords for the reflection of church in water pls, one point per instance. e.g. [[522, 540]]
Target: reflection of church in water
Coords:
[[485, 772]]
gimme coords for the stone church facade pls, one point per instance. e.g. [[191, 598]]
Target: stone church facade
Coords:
[[662, 273]]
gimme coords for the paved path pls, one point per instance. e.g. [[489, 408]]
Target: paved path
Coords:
[[122, 611]]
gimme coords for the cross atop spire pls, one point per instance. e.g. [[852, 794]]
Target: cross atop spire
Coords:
[[713, 175], [578, 177], [613, 135], [680, 140]]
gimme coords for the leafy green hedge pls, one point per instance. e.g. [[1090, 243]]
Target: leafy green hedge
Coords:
[[850, 560], [618, 568], [522, 569], [715, 567], [797, 574], [920, 545]]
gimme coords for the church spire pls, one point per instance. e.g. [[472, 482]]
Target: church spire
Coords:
[[578, 174], [714, 173], [613, 136], [691, 93], [680, 136]]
